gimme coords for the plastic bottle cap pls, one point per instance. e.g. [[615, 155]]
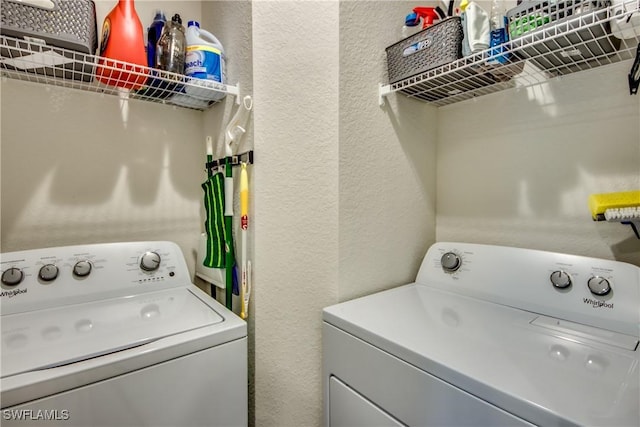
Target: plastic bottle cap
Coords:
[[194, 24], [411, 20], [176, 18]]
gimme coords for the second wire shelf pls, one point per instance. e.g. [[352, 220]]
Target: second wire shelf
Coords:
[[577, 43]]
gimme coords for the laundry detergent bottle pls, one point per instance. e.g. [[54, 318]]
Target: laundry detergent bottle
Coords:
[[204, 59], [153, 35], [122, 40]]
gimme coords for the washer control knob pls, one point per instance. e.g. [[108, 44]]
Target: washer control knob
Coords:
[[12, 276], [450, 262], [599, 285], [560, 279], [82, 268], [150, 261], [48, 272]]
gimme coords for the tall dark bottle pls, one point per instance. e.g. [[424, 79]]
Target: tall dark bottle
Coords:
[[171, 47], [153, 35]]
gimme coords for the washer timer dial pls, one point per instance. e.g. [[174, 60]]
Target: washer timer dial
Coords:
[[48, 272], [599, 285], [12, 276], [82, 268], [150, 261], [450, 262], [560, 279]]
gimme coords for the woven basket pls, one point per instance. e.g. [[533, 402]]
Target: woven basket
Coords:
[[71, 24], [67, 30], [432, 47]]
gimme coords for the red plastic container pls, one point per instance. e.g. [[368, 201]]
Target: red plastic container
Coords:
[[122, 40]]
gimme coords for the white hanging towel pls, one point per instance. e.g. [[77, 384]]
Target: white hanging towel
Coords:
[[477, 21]]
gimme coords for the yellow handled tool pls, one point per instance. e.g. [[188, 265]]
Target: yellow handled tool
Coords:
[[245, 291]]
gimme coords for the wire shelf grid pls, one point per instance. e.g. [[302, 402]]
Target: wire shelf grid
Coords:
[[577, 42], [33, 61]]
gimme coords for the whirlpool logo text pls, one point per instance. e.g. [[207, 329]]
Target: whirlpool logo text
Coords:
[[12, 293], [597, 304]]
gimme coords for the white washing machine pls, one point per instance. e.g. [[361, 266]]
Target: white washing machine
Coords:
[[116, 335], [489, 336]]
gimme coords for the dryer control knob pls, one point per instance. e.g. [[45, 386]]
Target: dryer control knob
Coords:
[[599, 285], [48, 272], [12, 276], [560, 279], [82, 268], [150, 261], [450, 262]]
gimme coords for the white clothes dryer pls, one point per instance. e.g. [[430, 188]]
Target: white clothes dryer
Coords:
[[489, 336], [116, 335]]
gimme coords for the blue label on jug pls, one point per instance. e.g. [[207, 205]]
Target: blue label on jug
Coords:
[[203, 62]]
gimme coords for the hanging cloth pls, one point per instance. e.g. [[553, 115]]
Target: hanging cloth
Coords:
[[214, 221]]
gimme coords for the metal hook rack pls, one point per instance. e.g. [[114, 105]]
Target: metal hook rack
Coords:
[[235, 160]]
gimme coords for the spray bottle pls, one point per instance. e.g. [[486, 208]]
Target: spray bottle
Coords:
[[428, 15]]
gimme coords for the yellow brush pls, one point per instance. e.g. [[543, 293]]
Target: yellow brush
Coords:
[[245, 290], [600, 203]]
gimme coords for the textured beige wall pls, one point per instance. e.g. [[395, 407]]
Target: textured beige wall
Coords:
[[387, 158], [83, 174], [516, 168], [230, 22], [295, 49], [344, 189]]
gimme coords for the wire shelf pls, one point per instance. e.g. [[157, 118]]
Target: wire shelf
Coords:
[[579, 41], [35, 62]]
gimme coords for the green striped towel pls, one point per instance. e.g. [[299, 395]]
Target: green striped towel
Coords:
[[214, 222]]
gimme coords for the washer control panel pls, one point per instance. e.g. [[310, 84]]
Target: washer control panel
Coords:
[[597, 292], [41, 278]]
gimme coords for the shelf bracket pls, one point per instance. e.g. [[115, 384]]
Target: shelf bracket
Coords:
[[635, 226], [383, 91], [235, 91]]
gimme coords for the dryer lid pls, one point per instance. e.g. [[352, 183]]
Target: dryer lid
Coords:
[[63, 335], [519, 361]]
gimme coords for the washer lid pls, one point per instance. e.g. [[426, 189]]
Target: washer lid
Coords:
[[517, 360], [49, 338]]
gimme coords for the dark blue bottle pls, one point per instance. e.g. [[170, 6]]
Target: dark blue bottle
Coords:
[[153, 35]]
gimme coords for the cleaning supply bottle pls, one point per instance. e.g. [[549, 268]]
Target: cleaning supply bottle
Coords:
[[498, 35], [412, 25], [122, 40], [428, 15], [466, 50], [153, 35], [204, 59], [170, 50]]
